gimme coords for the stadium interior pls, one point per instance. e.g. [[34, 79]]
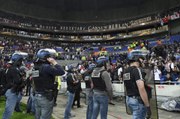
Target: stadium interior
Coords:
[[81, 30]]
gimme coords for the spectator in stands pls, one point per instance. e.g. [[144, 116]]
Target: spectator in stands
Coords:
[[157, 73]]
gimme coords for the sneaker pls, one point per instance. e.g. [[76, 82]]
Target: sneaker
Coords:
[[18, 110], [72, 115], [79, 106], [55, 104], [111, 103]]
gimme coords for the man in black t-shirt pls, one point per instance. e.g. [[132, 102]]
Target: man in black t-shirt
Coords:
[[136, 99]]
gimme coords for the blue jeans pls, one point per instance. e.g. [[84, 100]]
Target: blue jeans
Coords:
[[30, 103], [100, 104], [89, 108], [17, 107], [137, 108], [43, 107], [69, 104], [11, 100], [87, 91]]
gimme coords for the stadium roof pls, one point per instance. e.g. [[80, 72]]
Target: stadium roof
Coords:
[[86, 10]]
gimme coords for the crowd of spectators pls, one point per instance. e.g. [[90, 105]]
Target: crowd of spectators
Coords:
[[163, 57], [46, 36]]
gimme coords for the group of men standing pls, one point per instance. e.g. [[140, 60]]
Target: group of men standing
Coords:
[[98, 81]]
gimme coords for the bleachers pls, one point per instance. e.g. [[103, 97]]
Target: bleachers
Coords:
[[175, 38]]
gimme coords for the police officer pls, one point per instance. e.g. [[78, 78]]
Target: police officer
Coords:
[[136, 99], [43, 76], [14, 85], [102, 88]]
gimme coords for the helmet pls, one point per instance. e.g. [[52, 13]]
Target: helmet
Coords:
[[135, 58], [69, 68], [91, 66], [101, 61], [17, 57], [135, 54], [43, 54]]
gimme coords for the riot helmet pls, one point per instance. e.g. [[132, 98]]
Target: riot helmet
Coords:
[[17, 58], [101, 61], [43, 54]]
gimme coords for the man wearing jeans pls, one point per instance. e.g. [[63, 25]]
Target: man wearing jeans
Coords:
[[14, 85], [71, 88], [102, 89], [43, 77], [136, 99]]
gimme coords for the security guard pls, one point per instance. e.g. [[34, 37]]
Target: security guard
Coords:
[[136, 99], [43, 76], [102, 90], [14, 85]]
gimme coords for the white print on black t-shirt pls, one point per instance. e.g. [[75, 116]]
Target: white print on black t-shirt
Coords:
[[126, 76]]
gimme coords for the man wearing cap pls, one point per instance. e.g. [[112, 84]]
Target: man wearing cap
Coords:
[[136, 99], [102, 89]]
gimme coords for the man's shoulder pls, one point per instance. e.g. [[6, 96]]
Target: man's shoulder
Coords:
[[46, 65], [129, 69]]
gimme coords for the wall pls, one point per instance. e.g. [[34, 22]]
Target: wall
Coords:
[[174, 27]]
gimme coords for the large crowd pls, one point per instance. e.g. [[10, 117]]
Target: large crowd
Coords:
[[161, 54]]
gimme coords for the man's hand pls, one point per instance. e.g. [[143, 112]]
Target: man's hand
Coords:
[[148, 116], [52, 61]]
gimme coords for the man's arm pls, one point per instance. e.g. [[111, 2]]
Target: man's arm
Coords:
[[107, 79], [141, 87], [142, 92], [14, 76], [56, 70]]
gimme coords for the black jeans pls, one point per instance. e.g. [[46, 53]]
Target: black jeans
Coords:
[[77, 98]]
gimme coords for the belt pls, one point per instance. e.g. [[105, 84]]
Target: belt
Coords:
[[135, 96], [138, 98], [39, 95]]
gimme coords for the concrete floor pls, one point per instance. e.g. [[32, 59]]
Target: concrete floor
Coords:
[[117, 111]]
